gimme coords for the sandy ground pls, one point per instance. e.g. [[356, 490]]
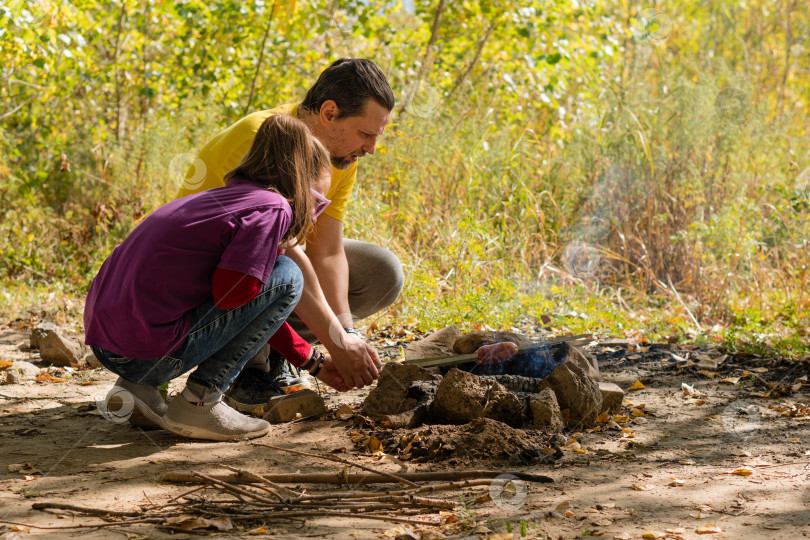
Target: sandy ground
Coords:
[[670, 470]]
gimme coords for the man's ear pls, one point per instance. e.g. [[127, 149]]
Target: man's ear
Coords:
[[329, 112]]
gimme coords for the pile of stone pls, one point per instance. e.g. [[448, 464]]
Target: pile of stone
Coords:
[[572, 396]]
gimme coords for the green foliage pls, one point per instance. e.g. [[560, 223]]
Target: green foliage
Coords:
[[671, 144]]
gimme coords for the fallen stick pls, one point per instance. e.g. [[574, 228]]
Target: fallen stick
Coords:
[[255, 478], [343, 461], [84, 510], [358, 478], [388, 492], [94, 526], [236, 490], [352, 515]]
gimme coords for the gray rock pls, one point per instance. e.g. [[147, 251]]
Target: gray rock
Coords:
[[612, 396], [469, 343], [402, 396], [20, 371], [462, 397], [545, 412], [59, 350], [586, 362], [578, 395], [435, 345], [305, 403], [40, 331]]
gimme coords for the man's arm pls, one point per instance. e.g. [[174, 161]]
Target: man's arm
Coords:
[[325, 263], [325, 251]]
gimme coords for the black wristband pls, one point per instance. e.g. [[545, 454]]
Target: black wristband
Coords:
[[312, 360], [353, 330], [317, 358]]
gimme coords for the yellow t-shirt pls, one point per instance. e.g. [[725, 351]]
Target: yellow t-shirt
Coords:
[[223, 153]]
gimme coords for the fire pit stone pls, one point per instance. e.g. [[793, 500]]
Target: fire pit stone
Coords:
[[462, 397], [576, 392], [545, 412]]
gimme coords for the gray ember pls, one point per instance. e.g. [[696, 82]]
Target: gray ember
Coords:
[[517, 383]]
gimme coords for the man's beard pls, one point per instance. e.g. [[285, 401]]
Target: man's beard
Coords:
[[344, 162]]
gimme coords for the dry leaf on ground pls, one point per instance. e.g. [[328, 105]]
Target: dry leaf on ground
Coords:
[[637, 386], [742, 472]]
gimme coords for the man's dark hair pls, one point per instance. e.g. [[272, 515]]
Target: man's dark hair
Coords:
[[349, 82]]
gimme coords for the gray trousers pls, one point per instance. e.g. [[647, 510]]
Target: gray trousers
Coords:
[[375, 281]]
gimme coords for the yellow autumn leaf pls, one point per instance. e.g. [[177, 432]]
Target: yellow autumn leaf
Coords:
[[637, 386], [637, 412], [708, 529], [5, 364], [621, 419], [373, 444], [742, 472], [638, 486]]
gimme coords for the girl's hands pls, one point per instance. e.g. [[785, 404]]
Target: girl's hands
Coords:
[[329, 375]]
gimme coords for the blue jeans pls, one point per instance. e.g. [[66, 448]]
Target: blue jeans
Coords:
[[220, 341]]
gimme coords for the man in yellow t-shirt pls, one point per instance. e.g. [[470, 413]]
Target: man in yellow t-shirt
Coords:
[[344, 280]]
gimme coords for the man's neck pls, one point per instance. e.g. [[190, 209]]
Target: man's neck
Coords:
[[310, 119]]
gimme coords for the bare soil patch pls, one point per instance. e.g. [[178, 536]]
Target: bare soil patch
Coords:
[[727, 456]]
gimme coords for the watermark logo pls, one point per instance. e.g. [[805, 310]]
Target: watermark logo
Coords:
[[423, 99], [733, 105], [652, 25], [117, 405], [508, 492], [741, 419], [26, 12], [581, 259], [187, 169], [343, 339]]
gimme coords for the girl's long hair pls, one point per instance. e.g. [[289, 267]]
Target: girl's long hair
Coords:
[[286, 158]]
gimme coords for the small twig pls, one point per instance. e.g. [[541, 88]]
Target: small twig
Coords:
[[352, 515], [234, 489], [96, 526], [388, 492], [343, 461], [172, 501], [420, 501], [263, 480], [351, 478], [83, 509]]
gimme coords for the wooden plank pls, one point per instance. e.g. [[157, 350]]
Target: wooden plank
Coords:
[[461, 358]]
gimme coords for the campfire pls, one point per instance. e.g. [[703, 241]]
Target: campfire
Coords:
[[490, 383]]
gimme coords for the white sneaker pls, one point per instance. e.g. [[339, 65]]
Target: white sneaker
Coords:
[[140, 404], [214, 421]]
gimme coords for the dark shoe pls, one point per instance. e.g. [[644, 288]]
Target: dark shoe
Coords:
[[251, 390], [290, 379]]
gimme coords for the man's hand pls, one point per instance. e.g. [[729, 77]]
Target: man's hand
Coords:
[[330, 375], [356, 360]]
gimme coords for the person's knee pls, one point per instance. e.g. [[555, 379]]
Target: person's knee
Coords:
[[291, 275], [392, 277], [376, 277]]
